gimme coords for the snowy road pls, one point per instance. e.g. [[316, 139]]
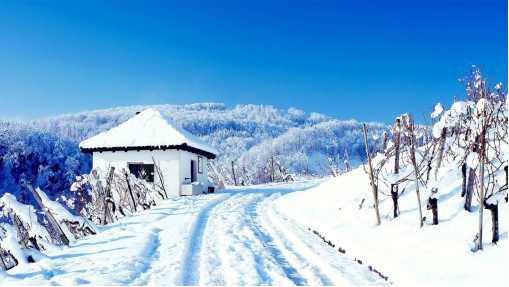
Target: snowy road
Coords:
[[235, 237]]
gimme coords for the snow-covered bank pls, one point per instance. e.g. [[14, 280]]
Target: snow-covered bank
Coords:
[[145, 248], [433, 255]]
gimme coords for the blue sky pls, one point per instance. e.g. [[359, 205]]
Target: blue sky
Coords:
[[369, 61]]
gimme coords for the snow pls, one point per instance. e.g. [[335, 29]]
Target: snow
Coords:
[[438, 110], [234, 237], [26, 213], [434, 255], [148, 128]]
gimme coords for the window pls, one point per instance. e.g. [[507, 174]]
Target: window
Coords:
[[200, 164], [144, 171]]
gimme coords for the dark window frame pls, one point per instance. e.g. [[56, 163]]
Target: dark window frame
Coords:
[[143, 167]]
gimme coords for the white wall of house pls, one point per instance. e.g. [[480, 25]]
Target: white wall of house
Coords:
[[185, 168], [175, 165]]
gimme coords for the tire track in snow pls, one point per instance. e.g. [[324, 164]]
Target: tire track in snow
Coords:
[[335, 267], [297, 267], [190, 266]]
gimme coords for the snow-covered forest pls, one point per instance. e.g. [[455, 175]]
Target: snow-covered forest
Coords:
[[46, 153]]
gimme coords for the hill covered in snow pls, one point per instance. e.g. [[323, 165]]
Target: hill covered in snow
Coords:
[[246, 134]]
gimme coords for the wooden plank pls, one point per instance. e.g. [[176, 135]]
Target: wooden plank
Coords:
[[56, 226]]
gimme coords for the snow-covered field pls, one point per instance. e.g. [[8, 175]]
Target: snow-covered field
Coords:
[[235, 237], [434, 255]]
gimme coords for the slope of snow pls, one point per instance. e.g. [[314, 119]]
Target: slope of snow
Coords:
[[148, 128], [434, 255]]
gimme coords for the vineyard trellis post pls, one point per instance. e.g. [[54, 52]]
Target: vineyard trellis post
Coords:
[[373, 187], [108, 197], [130, 193], [272, 169], [216, 175], [440, 151], [56, 226], [414, 163]]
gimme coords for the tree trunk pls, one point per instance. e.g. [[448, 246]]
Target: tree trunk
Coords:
[[464, 177], [506, 168], [481, 187], [494, 220], [394, 187], [394, 195], [433, 206], [470, 189], [417, 189], [373, 188]]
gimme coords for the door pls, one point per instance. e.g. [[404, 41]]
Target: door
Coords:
[[193, 171]]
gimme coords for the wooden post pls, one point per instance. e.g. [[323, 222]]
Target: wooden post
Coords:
[[464, 179], [412, 155], [52, 220], [373, 188], [130, 193], [107, 196], [20, 229], [233, 172], [272, 168], [2, 263], [214, 172], [440, 151], [281, 173]]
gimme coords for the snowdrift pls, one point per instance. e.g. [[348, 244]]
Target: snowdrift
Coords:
[[434, 255]]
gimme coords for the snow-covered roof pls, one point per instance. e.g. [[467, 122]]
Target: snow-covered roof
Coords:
[[147, 130]]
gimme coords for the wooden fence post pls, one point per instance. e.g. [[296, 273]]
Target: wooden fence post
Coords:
[[108, 197], [56, 226], [373, 188], [272, 168], [440, 151], [214, 172], [130, 193], [416, 171]]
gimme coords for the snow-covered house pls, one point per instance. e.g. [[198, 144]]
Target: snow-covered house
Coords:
[[149, 137]]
